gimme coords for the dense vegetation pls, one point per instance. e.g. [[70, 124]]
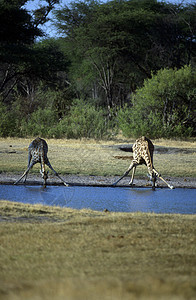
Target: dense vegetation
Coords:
[[120, 65]]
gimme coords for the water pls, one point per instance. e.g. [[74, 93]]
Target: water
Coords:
[[118, 199]]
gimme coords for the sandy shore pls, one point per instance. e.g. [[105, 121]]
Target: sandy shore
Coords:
[[187, 182]]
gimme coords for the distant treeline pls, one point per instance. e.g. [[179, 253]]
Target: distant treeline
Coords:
[[119, 65]]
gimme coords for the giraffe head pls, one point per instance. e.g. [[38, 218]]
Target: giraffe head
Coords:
[[44, 176], [153, 178]]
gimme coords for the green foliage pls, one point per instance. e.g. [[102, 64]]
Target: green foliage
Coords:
[[164, 107], [40, 123], [17, 31], [16, 23], [116, 45], [44, 61], [105, 53], [22, 59], [7, 122], [84, 120]]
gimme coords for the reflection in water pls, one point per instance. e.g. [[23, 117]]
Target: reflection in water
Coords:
[[99, 198]]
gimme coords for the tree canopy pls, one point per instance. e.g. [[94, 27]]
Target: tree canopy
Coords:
[[21, 57], [103, 54], [120, 42]]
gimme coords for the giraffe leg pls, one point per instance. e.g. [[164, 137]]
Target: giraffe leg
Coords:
[[132, 177], [25, 173], [153, 177], [132, 165], [55, 173], [159, 176], [29, 162]]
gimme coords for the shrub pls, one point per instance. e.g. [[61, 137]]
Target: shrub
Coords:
[[84, 120], [164, 107], [40, 123], [7, 122]]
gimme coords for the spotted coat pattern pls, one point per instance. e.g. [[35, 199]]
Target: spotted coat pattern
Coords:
[[142, 154], [37, 153], [38, 150], [143, 150]]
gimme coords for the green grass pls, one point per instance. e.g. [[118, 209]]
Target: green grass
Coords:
[[61, 253], [90, 157]]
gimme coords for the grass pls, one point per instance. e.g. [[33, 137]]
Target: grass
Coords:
[[60, 253], [90, 157]]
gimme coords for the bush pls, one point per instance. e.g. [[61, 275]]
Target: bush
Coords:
[[132, 126], [164, 107], [8, 123], [84, 120], [40, 123]]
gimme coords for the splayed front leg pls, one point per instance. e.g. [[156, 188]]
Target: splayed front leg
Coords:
[[159, 176], [170, 186], [66, 184], [56, 174], [125, 174], [132, 177], [132, 165], [25, 173]]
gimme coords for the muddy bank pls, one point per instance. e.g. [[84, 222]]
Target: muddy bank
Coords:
[[157, 149], [89, 180]]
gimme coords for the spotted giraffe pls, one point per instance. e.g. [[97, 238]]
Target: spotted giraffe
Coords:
[[37, 153], [143, 150]]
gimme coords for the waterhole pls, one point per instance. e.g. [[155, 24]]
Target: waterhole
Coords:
[[118, 199]]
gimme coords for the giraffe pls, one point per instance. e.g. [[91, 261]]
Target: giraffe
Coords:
[[37, 153], [143, 150]]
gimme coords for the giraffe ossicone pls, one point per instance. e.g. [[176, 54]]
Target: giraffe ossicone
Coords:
[[37, 153]]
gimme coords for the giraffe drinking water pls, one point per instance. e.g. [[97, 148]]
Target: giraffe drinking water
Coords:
[[37, 153], [143, 150]]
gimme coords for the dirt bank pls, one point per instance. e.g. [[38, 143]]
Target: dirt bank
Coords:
[[186, 182]]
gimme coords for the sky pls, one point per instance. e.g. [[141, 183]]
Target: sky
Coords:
[[49, 29]]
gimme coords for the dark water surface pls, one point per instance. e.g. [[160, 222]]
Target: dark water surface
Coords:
[[118, 199]]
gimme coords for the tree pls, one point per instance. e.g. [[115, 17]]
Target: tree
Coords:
[[121, 42], [19, 57], [164, 107]]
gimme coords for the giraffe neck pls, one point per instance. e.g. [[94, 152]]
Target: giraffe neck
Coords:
[[148, 160], [41, 153], [42, 159]]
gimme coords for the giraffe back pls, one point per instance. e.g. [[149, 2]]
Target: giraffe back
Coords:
[[38, 150], [143, 150]]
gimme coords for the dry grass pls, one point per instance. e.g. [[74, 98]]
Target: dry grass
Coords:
[[90, 157], [60, 253], [54, 253]]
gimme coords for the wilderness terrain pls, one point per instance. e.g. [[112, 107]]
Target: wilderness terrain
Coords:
[[95, 162], [62, 253]]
